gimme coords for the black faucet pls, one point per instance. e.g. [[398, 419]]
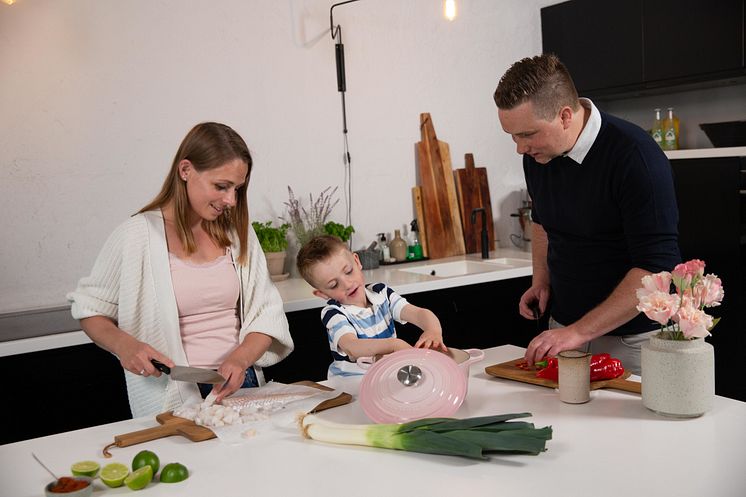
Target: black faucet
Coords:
[[485, 242]]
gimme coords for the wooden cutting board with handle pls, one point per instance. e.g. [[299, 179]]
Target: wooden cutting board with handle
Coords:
[[510, 371], [473, 191], [173, 425], [443, 229]]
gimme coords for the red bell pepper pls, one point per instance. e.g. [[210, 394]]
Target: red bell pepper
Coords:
[[603, 367]]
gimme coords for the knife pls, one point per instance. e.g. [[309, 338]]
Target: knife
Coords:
[[192, 375]]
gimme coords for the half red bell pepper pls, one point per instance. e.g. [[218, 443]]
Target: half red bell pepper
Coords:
[[603, 367]]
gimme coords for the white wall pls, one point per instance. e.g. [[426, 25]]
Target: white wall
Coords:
[[95, 96]]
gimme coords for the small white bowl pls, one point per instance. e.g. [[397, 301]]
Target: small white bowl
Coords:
[[83, 492]]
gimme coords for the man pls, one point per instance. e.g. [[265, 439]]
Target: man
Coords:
[[604, 213]]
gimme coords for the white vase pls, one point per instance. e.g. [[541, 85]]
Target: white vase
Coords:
[[678, 377]]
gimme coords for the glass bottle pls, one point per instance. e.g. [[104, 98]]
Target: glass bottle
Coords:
[[398, 247], [657, 130], [671, 131]]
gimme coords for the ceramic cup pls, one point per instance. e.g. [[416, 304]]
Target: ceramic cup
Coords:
[[574, 376]]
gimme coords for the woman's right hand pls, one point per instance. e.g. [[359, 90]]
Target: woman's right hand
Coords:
[[135, 356]]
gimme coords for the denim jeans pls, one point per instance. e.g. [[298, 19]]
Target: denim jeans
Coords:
[[248, 382]]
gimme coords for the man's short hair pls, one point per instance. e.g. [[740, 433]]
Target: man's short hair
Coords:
[[543, 80], [317, 249]]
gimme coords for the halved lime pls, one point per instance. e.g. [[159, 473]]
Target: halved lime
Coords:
[[174, 472], [113, 474], [139, 478], [85, 468]]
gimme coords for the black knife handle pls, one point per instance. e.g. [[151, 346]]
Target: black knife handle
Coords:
[[161, 367]]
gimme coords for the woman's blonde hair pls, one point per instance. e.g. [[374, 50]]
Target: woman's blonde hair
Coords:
[[208, 146]]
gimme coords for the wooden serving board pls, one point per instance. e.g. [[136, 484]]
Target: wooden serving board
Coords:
[[174, 425], [473, 191], [443, 229], [510, 371]]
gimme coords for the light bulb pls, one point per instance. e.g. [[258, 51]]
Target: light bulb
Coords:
[[9, 2], [449, 9]]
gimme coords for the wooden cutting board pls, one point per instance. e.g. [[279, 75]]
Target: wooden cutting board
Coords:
[[510, 371], [473, 191], [174, 425], [443, 229]]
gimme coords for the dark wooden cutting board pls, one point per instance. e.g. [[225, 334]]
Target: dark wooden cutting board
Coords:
[[510, 371], [473, 191], [174, 425], [443, 230]]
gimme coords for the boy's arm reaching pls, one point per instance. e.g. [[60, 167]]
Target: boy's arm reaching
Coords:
[[432, 334], [356, 347]]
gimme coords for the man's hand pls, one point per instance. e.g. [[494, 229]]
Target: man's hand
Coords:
[[531, 298], [552, 342]]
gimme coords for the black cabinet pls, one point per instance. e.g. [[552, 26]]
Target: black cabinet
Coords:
[[473, 316], [616, 48], [600, 41], [711, 228]]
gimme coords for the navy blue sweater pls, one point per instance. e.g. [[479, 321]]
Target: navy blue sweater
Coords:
[[615, 211]]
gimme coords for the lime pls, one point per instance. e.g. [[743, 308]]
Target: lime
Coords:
[[85, 468], [113, 474], [139, 478], [146, 458], [174, 472]]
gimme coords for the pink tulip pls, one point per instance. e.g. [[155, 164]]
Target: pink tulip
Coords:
[[658, 306]]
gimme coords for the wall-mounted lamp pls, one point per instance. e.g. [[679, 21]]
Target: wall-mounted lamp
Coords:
[[9, 2], [449, 9]]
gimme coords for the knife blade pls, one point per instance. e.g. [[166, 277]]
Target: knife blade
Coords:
[[190, 374]]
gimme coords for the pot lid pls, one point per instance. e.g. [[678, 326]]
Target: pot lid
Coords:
[[412, 384]]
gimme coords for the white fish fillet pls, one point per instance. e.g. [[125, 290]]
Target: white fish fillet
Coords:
[[261, 401]]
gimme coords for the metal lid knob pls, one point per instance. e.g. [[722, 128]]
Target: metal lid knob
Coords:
[[409, 375]]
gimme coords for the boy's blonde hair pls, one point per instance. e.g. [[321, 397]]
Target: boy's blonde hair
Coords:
[[318, 249]]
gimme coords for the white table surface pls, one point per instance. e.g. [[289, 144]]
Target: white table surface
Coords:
[[611, 446]]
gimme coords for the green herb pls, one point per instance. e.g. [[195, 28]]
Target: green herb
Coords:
[[272, 239], [470, 437], [339, 230]]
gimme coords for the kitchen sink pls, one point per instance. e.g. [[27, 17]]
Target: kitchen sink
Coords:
[[509, 262], [450, 269]]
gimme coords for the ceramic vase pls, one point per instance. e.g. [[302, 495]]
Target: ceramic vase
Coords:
[[275, 263], [678, 376]]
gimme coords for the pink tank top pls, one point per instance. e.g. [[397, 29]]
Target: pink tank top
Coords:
[[207, 299]]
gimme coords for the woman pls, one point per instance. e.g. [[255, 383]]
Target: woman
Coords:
[[184, 281]]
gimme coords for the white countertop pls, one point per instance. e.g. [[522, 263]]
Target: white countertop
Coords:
[[297, 294], [612, 446], [703, 153]]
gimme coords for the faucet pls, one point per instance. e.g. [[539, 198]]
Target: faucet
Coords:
[[485, 242]]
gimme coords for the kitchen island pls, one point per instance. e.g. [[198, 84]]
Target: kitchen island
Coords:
[[611, 446]]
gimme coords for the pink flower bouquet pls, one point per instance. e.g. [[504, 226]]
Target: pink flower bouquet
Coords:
[[681, 314]]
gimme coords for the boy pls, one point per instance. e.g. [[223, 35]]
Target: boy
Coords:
[[355, 312]]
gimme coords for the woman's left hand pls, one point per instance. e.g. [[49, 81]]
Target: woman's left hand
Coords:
[[234, 372]]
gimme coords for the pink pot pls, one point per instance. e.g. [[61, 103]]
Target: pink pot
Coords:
[[416, 383]]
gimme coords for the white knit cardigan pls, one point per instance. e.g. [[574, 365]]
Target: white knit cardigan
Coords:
[[131, 284]]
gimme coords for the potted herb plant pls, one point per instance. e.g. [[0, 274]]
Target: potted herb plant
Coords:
[[273, 241], [311, 222]]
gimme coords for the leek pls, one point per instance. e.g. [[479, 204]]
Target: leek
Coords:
[[470, 437]]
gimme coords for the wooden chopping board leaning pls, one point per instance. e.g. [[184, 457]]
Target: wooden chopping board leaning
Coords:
[[473, 192], [443, 229]]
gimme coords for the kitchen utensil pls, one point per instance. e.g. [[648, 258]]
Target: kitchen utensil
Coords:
[[86, 491], [473, 191], [174, 425], [44, 466], [574, 376], [440, 206], [509, 370], [192, 375], [413, 384]]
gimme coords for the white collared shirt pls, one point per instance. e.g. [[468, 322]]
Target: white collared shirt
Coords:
[[588, 134]]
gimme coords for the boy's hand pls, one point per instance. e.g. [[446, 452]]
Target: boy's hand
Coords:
[[431, 339]]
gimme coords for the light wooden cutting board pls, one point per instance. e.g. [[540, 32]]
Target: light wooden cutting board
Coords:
[[174, 425], [443, 230], [510, 371]]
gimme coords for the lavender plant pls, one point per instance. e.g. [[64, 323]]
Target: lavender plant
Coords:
[[308, 223]]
